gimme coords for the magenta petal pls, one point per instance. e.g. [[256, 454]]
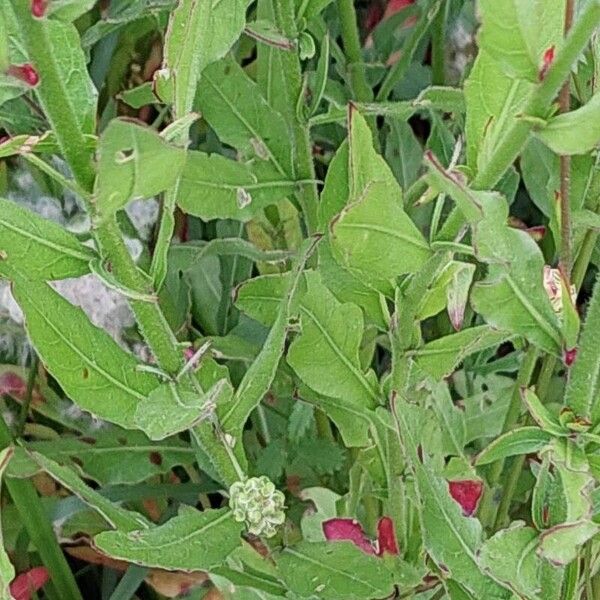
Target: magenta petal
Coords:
[[467, 493], [386, 536], [25, 584], [349, 530]]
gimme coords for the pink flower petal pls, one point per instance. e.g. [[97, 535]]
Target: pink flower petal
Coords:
[[11, 383], [386, 536], [467, 493], [24, 584], [349, 530]]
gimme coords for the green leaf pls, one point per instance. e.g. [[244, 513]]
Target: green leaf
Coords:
[[261, 373], [524, 440], [38, 248], [559, 544], [512, 296], [516, 34], [493, 102], [333, 570], [371, 235], [234, 107], [575, 132], [215, 187], [7, 571], [119, 457], [191, 541], [69, 10], [199, 34], [439, 358], [114, 515], [325, 354], [324, 456], [131, 165], [300, 420], [96, 373], [510, 558], [450, 538], [541, 415], [186, 406], [582, 393]]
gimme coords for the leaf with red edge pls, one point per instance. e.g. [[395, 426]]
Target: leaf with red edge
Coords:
[[386, 537], [25, 584], [467, 493], [347, 530]]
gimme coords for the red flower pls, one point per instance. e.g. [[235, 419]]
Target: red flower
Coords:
[[467, 493], [24, 584], [25, 73], [351, 530]]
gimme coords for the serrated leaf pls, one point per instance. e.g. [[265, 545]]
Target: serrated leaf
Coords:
[[215, 187], [510, 558], [131, 165], [300, 420], [38, 248], [96, 373], [333, 570], [325, 354], [191, 541], [234, 107], [324, 456], [574, 132], [524, 440]]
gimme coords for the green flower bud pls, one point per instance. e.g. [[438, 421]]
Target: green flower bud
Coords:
[[259, 504]]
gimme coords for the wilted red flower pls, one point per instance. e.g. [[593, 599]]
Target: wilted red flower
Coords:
[[25, 73], [467, 492], [350, 530], [24, 584]]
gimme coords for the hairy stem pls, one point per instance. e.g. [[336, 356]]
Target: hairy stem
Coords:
[[352, 48], [565, 167], [438, 46]]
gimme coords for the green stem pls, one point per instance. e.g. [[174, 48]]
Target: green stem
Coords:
[[307, 195], [54, 97], [39, 528], [588, 565], [33, 367], [488, 510], [352, 48], [537, 105], [398, 71], [438, 46], [152, 322]]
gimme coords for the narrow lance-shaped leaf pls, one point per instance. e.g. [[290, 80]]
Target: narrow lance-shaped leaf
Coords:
[[451, 539], [234, 107], [191, 541], [199, 33], [325, 354], [583, 388], [131, 165], [7, 571], [114, 515], [38, 248], [260, 375], [512, 296], [96, 373], [524, 440]]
